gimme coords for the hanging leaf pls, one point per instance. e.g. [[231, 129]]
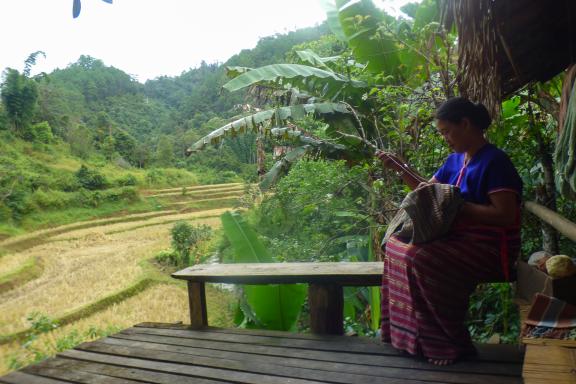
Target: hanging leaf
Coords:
[[276, 116], [312, 58], [282, 166], [76, 7], [321, 82]]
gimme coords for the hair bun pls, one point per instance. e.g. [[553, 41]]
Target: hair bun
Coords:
[[457, 108], [483, 118]]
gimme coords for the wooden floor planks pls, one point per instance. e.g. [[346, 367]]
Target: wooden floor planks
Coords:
[[168, 353]]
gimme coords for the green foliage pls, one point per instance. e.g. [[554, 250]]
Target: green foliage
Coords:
[[493, 311], [42, 133], [127, 180], [19, 96], [185, 237], [165, 152], [312, 211], [91, 179]]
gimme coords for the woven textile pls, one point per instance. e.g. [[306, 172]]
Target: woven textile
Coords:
[[551, 318], [426, 213]]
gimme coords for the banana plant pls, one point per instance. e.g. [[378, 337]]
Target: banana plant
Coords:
[[395, 51], [272, 306]]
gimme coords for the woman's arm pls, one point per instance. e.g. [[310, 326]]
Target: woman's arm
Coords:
[[407, 174], [501, 211]]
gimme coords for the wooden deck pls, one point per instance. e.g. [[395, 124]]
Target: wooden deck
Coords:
[[167, 353]]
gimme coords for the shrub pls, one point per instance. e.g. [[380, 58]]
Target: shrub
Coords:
[[66, 182], [50, 199], [185, 237], [5, 213], [42, 133], [91, 179], [167, 256], [127, 180]]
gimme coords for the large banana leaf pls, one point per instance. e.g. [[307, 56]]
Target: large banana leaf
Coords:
[[276, 116], [247, 247], [270, 306], [327, 148], [321, 82], [276, 306], [361, 23], [312, 58]]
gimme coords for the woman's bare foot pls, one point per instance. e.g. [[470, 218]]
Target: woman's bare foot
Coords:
[[441, 362]]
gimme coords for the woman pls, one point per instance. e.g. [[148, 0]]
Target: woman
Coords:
[[426, 287]]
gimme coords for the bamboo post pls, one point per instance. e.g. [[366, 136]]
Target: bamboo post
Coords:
[[559, 222]]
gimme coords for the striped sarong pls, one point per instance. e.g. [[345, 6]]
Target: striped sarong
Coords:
[[426, 289]]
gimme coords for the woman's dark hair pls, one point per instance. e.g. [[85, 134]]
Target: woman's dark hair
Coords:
[[457, 108]]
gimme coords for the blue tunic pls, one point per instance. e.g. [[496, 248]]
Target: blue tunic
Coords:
[[490, 170]]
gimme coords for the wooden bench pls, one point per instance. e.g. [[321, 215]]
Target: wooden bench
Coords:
[[325, 282]]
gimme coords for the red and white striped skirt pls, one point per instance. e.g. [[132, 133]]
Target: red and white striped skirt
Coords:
[[426, 289]]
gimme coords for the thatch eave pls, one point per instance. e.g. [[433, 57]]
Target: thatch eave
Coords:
[[506, 44]]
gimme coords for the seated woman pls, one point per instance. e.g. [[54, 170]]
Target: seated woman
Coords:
[[426, 287]]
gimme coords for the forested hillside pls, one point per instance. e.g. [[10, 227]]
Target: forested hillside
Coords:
[[88, 135]]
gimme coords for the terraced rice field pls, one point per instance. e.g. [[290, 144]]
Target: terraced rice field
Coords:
[[97, 273]]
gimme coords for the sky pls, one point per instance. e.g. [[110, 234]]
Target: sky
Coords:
[[147, 38]]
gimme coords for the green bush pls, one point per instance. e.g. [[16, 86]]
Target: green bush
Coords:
[[127, 180], [167, 257], [91, 179], [51, 199], [185, 237], [5, 213], [66, 182], [41, 133]]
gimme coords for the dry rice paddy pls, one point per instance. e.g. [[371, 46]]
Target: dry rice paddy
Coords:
[[161, 303], [85, 265]]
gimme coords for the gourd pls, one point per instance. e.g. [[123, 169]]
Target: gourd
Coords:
[[560, 266]]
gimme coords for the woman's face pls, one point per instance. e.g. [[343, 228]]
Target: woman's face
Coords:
[[457, 135]]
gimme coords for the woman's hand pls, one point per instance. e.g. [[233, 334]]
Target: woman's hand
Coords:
[[391, 161]]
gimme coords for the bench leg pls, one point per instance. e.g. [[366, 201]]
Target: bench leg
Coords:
[[197, 302], [326, 309]]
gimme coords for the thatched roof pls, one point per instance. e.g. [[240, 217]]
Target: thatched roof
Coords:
[[505, 44]]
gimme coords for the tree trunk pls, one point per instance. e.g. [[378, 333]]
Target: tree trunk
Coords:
[[546, 194], [260, 155]]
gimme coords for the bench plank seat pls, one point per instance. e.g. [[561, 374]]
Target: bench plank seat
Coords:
[[325, 294], [345, 274]]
